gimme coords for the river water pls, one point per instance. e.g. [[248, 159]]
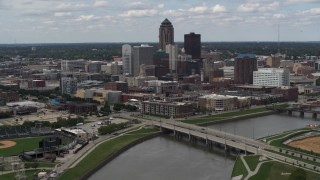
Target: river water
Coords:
[[166, 158]]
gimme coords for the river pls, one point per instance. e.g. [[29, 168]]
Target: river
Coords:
[[165, 158]]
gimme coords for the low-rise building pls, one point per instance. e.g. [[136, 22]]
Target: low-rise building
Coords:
[[9, 96], [81, 108], [215, 102], [167, 109]]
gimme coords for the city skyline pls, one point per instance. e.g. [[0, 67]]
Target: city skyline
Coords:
[[76, 21]]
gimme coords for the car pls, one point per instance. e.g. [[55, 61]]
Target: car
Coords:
[[93, 125]]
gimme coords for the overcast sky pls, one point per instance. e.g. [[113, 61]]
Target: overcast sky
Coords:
[[46, 21]]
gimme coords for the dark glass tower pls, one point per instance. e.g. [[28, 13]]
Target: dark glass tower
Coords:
[[192, 45], [166, 34]]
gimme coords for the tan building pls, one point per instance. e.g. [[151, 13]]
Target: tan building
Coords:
[[215, 102]]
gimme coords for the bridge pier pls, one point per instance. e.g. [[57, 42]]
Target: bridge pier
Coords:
[[301, 114], [289, 113], [314, 115]]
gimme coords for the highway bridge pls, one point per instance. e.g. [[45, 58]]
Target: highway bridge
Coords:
[[301, 109], [228, 140]]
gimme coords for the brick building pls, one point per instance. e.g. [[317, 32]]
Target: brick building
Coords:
[[244, 65], [9, 96], [117, 86], [167, 109]]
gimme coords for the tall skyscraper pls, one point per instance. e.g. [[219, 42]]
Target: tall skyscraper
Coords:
[[244, 65], [192, 45], [141, 55], [166, 34], [127, 59], [172, 50]]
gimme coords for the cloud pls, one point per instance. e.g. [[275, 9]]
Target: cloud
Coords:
[[160, 6], [62, 14], [256, 6], [139, 13], [173, 13], [218, 9], [199, 9], [100, 3], [137, 3], [313, 11], [84, 18], [302, 1]]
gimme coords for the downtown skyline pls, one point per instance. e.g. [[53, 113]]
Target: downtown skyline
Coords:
[[76, 21]]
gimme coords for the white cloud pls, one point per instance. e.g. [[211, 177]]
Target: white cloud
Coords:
[[173, 13], [199, 9], [313, 11], [100, 3], [279, 16], [218, 9], [62, 14], [137, 3], [250, 7], [256, 6], [140, 13], [302, 1], [160, 6], [83, 18]]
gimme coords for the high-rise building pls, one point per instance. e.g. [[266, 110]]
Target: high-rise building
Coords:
[[141, 55], [68, 85], [172, 50], [271, 77], [166, 34], [192, 45], [127, 59], [244, 65]]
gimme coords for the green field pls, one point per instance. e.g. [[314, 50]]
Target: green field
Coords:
[[271, 170], [239, 168], [252, 161], [23, 144], [28, 173], [226, 115], [279, 171], [99, 154]]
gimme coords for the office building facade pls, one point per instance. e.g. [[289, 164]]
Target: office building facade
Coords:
[[192, 45], [141, 55], [271, 77], [68, 85], [166, 34], [244, 65]]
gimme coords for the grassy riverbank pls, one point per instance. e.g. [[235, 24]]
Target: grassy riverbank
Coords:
[[270, 169], [224, 116], [102, 152]]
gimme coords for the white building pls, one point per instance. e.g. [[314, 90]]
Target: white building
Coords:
[[127, 59], [271, 77], [172, 50]]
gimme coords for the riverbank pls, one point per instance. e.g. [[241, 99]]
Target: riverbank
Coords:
[[106, 152], [261, 168], [230, 116]]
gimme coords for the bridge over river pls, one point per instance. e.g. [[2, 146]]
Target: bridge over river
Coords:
[[228, 140]]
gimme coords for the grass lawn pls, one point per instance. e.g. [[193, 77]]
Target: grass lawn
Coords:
[[99, 154], [275, 170], [23, 144], [252, 161], [29, 174], [226, 115], [239, 169]]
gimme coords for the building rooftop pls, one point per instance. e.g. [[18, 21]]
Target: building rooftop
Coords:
[[240, 56]]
